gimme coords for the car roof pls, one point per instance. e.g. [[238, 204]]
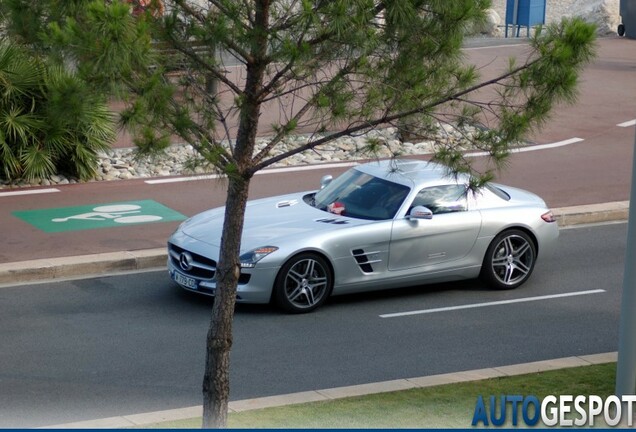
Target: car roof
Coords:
[[412, 172]]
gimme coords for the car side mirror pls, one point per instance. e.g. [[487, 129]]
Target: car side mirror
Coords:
[[325, 180], [420, 212]]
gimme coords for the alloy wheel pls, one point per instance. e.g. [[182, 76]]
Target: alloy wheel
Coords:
[[513, 260], [304, 283]]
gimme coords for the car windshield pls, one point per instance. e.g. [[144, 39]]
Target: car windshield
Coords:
[[363, 196]]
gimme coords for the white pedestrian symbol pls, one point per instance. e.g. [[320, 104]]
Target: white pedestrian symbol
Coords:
[[116, 213]]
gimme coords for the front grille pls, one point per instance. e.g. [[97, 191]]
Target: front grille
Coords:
[[202, 267]]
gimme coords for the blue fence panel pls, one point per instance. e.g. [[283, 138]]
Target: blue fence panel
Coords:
[[524, 13]]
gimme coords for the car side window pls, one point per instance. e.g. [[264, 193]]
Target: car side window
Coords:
[[442, 199]]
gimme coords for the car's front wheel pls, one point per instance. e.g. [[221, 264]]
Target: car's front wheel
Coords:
[[303, 283], [509, 260]]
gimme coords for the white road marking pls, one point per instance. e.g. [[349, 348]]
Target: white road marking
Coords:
[[265, 171], [534, 147], [182, 179], [627, 123], [347, 164], [307, 167], [494, 46], [487, 304], [29, 192]]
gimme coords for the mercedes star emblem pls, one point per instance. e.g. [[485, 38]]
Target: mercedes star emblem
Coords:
[[185, 261]]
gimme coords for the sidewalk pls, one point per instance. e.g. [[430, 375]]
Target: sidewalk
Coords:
[[48, 269], [145, 419]]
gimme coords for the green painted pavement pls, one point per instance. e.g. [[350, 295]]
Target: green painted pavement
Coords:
[[96, 216]]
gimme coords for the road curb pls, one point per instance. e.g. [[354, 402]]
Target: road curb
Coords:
[[592, 213], [145, 419], [41, 270], [47, 269]]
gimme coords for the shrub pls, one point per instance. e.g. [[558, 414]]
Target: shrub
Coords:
[[50, 121]]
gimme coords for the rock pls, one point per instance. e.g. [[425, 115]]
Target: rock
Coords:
[[490, 26], [604, 13], [126, 175]]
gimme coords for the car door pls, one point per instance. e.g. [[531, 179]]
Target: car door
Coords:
[[448, 236]]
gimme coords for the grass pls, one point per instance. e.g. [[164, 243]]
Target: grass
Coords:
[[444, 406]]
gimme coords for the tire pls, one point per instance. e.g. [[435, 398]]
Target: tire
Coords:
[[303, 283], [509, 260], [621, 30]]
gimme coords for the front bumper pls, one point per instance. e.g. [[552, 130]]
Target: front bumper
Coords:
[[255, 284]]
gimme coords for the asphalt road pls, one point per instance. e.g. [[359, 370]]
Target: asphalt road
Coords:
[[95, 348]]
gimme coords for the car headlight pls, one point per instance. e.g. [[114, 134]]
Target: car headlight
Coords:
[[249, 259]]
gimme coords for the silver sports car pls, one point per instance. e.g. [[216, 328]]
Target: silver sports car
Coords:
[[380, 225]]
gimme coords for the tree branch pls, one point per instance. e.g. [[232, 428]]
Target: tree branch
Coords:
[[388, 118]]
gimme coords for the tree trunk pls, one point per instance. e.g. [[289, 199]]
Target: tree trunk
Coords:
[[216, 381]]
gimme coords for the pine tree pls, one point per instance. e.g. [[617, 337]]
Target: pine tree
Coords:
[[330, 67]]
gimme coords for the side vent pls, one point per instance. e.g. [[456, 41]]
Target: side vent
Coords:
[[365, 259], [333, 221], [290, 203]]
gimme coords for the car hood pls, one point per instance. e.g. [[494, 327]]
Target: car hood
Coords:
[[268, 222]]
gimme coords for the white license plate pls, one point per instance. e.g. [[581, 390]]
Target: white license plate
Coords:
[[186, 281]]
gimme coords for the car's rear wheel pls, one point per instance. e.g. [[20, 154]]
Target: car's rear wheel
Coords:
[[303, 283], [509, 260]]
